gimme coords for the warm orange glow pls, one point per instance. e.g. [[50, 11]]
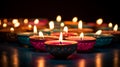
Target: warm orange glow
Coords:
[[61, 37], [115, 27], [12, 29], [15, 58], [75, 19], [17, 24], [82, 35], [0, 22], [81, 63], [35, 29], [4, 25], [5, 20], [99, 21], [110, 25], [98, 32], [30, 26], [98, 60], [80, 24], [62, 24], [25, 21], [14, 21], [41, 34], [36, 21], [41, 62], [51, 25], [58, 18], [65, 29], [4, 59], [116, 58]]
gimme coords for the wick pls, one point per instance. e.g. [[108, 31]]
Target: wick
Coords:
[[60, 42]]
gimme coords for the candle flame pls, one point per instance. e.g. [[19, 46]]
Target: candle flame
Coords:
[[51, 25], [75, 19], [29, 26], [11, 29], [36, 21], [4, 25], [62, 24], [115, 27], [82, 35], [99, 21], [61, 37], [35, 29], [17, 24], [14, 21], [41, 34], [80, 24], [110, 25], [25, 21], [58, 18], [98, 32], [65, 29]]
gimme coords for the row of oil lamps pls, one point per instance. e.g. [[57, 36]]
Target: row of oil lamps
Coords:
[[58, 40]]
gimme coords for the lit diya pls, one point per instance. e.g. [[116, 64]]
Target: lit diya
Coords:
[[37, 41], [65, 33], [85, 43], [23, 37], [61, 48], [101, 39], [80, 28], [114, 32]]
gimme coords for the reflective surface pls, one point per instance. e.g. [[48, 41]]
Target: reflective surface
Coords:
[[14, 55]]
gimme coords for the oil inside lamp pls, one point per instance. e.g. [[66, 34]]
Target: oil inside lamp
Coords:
[[99, 21], [80, 24], [75, 19], [4, 25], [36, 21], [58, 18], [25, 21]]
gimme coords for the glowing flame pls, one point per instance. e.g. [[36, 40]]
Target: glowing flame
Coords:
[[35, 29], [17, 24], [29, 26], [25, 21], [61, 37], [5, 20], [41, 62], [115, 27], [0, 22], [41, 34], [14, 21], [82, 35], [98, 32], [58, 18], [62, 24], [110, 25], [11, 29], [4, 25], [99, 21], [80, 24], [75, 19], [36, 21], [65, 29], [51, 25]]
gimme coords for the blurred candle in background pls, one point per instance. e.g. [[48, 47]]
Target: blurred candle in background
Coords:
[[115, 28], [12, 29], [80, 24], [58, 18], [4, 25], [51, 25], [110, 25], [75, 19], [99, 21], [36, 21], [26, 21]]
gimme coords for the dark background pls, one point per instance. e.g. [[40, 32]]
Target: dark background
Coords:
[[87, 10]]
